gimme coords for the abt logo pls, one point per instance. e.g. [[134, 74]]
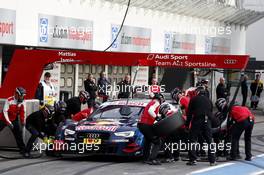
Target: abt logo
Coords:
[[230, 61]]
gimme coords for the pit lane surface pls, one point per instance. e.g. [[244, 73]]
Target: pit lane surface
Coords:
[[123, 166]]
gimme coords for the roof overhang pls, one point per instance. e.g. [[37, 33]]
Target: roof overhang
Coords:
[[209, 10]]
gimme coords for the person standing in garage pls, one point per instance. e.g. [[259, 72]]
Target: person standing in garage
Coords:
[[91, 88], [244, 89], [103, 84], [221, 89], [256, 88], [13, 115], [124, 87], [46, 91]]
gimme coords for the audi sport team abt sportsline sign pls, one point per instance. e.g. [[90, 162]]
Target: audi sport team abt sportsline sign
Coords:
[[36, 60], [187, 61]]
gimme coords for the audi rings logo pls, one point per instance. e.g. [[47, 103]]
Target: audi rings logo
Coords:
[[150, 57], [93, 135], [230, 61]]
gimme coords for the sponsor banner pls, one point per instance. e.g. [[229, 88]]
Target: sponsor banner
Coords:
[[7, 26], [179, 43], [56, 31], [37, 59], [97, 128], [133, 39], [217, 45]]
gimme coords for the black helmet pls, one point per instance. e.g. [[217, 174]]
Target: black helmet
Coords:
[[21, 92], [200, 90], [159, 97], [49, 110], [221, 103], [60, 107], [164, 108], [84, 96], [174, 94]]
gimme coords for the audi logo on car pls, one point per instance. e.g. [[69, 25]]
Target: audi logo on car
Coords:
[[93, 135], [230, 61]]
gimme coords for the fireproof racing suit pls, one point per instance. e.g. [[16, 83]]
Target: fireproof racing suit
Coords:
[[39, 126], [83, 114], [243, 121], [13, 114], [145, 125], [200, 115], [73, 106]]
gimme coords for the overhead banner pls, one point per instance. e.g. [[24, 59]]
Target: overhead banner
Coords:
[[133, 39], [217, 45], [179, 43], [37, 59], [7, 26], [62, 32]]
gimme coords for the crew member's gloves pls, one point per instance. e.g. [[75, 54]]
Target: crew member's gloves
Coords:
[[158, 118], [11, 126]]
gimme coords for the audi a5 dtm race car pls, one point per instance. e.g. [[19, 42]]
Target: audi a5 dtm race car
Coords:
[[110, 130]]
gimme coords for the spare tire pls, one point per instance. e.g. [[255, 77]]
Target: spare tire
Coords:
[[168, 125]]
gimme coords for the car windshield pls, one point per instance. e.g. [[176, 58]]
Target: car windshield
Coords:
[[113, 112]]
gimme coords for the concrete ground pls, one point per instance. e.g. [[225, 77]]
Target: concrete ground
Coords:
[[120, 166]]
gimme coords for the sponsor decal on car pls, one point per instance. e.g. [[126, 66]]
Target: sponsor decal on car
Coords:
[[97, 128]]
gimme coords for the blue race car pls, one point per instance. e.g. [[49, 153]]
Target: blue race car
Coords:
[[110, 130]]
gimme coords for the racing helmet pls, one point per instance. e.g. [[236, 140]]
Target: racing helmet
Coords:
[[204, 81], [221, 103], [200, 90], [175, 94], [49, 111], [164, 108], [84, 96], [20, 92], [159, 97], [60, 107]]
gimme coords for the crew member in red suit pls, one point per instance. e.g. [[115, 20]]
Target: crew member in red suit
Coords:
[[242, 120], [145, 125], [13, 115]]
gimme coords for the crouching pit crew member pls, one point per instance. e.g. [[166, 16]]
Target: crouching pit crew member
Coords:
[[199, 114], [37, 125], [13, 114], [241, 120], [145, 125], [74, 103]]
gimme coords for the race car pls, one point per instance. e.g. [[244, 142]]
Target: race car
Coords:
[[110, 130]]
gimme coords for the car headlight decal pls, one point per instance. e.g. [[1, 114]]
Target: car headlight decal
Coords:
[[68, 132], [125, 134]]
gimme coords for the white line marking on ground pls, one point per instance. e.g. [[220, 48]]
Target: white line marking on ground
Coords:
[[261, 155], [211, 168], [258, 173]]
